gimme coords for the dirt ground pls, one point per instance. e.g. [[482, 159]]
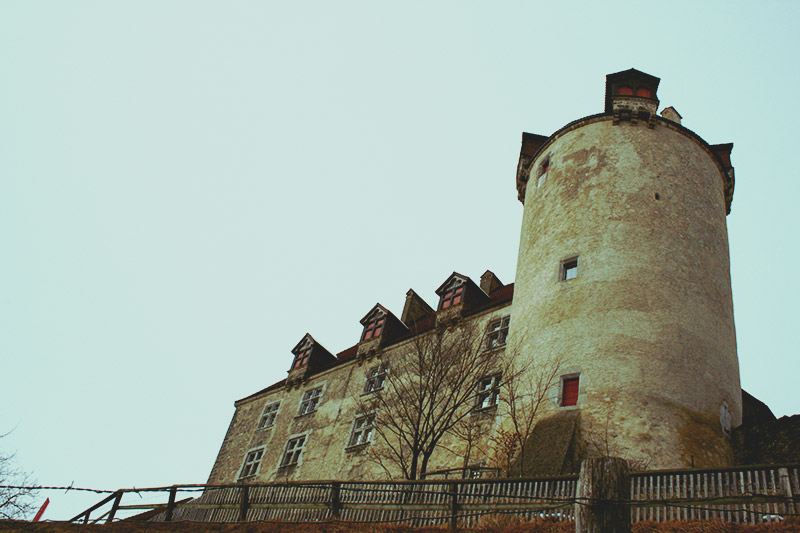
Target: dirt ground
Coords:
[[498, 525]]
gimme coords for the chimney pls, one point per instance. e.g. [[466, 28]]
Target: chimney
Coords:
[[672, 114], [415, 308], [490, 282]]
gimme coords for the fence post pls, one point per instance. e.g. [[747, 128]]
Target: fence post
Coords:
[[453, 490], [786, 489], [336, 499], [114, 507], [171, 504], [603, 493], [244, 502]]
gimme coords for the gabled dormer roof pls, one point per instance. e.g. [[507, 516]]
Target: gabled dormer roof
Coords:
[[376, 309], [308, 353], [306, 342], [454, 279], [460, 289], [388, 329]]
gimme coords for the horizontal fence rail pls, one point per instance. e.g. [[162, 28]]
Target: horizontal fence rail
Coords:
[[741, 494]]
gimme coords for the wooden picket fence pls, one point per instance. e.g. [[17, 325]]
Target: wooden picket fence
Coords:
[[740, 494]]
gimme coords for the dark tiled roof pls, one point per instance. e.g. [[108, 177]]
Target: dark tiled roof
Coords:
[[498, 296]]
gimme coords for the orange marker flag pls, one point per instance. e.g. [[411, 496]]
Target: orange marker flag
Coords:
[[41, 510]]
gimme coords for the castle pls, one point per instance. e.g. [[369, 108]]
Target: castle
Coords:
[[622, 292]]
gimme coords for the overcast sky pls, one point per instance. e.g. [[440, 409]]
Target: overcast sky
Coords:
[[188, 187]]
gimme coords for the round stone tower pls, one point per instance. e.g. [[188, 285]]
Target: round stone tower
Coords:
[[623, 280]]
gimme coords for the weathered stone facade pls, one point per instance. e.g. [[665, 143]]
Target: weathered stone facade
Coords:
[[329, 427], [647, 322], [623, 284]]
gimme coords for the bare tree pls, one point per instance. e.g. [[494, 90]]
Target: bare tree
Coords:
[[431, 391], [525, 391], [15, 493]]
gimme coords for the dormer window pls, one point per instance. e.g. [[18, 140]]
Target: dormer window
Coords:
[[453, 294], [374, 326], [301, 356]]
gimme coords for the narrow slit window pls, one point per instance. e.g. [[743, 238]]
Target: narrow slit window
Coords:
[[570, 388], [488, 392]]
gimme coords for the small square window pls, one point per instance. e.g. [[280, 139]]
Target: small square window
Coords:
[[310, 401], [251, 463], [497, 332], [569, 269], [376, 377], [363, 428], [488, 392], [293, 450], [570, 388], [268, 416]]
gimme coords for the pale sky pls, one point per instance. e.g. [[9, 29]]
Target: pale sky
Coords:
[[188, 187]]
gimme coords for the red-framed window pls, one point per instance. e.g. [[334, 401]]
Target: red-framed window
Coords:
[[452, 296], [374, 327], [570, 387], [301, 357], [641, 91], [625, 91]]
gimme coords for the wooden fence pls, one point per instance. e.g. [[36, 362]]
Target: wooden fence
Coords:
[[740, 494]]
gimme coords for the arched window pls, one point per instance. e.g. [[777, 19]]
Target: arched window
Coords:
[[625, 91], [644, 93]]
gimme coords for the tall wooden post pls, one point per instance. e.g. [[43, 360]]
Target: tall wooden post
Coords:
[[786, 490], [114, 507], [603, 496], [171, 504], [244, 502], [336, 500], [453, 490]]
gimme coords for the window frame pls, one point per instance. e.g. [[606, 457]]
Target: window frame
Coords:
[[293, 453], [576, 378], [544, 168], [374, 327], [257, 455], [453, 294], [361, 431], [497, 328], [269, 413], [379, 372], [490, 392], [309, 403], [301, 358], [566, 266]]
